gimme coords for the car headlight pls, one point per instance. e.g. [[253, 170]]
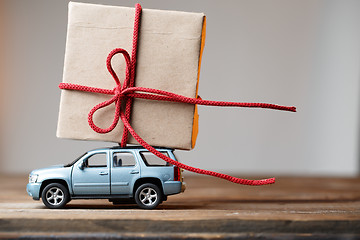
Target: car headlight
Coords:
[[33, 178]]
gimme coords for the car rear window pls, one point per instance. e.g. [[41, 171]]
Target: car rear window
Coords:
[[152, 160]]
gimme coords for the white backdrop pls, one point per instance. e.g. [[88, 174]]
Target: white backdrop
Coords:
[[301, 53]]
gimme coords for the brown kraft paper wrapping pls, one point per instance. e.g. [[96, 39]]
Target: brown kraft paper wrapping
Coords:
[[168, 58]]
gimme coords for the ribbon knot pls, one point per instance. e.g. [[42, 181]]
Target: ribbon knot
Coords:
[[118, 92]]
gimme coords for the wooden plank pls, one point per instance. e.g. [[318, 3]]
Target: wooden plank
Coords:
[[209, 207]]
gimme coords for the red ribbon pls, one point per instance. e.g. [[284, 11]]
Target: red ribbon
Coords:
[[127, 92]]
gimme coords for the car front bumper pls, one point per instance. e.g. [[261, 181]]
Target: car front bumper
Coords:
[[33, 189]]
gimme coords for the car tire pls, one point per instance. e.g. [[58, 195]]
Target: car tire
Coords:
[[148, 196], [55, 196]]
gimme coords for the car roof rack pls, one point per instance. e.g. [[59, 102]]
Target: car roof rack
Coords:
[[138, 147]]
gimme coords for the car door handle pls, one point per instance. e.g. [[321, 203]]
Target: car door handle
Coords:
[[134, 172], [103, 173]]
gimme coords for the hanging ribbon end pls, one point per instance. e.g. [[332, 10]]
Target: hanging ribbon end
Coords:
[[263, 182], [270, 180]]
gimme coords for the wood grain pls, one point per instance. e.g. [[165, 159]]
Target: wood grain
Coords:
[[209, 207]]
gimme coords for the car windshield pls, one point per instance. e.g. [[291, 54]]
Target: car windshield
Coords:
[[73, 162]]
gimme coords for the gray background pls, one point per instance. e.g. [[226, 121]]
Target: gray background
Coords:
[[301, 53]]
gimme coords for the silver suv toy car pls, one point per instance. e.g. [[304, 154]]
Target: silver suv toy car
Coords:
[[116, 174]]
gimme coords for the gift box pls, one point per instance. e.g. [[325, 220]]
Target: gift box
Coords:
[[169, 52]]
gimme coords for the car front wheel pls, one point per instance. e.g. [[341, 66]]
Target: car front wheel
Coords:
[[148, 196], [55, 195]]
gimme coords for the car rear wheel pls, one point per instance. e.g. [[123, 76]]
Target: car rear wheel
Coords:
[[148, 196], [55, 195]]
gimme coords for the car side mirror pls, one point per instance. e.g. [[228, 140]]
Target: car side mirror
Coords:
[[81, 165]]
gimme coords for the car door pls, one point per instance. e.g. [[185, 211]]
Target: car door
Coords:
[[124, 172], [92, 177]]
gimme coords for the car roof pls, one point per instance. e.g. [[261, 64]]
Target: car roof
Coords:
[[132, 148]]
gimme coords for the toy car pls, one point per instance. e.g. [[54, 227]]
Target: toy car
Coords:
[[130, 173]]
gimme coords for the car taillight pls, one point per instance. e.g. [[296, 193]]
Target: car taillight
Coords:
[[177, 174]]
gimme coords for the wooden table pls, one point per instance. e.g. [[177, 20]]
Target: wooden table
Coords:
[[210, 208]]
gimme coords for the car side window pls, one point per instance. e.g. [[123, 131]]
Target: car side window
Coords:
[[123, 159], [97, 160], [153, 160]]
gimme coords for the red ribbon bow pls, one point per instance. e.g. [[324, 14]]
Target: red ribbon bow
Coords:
[[127, 92]]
